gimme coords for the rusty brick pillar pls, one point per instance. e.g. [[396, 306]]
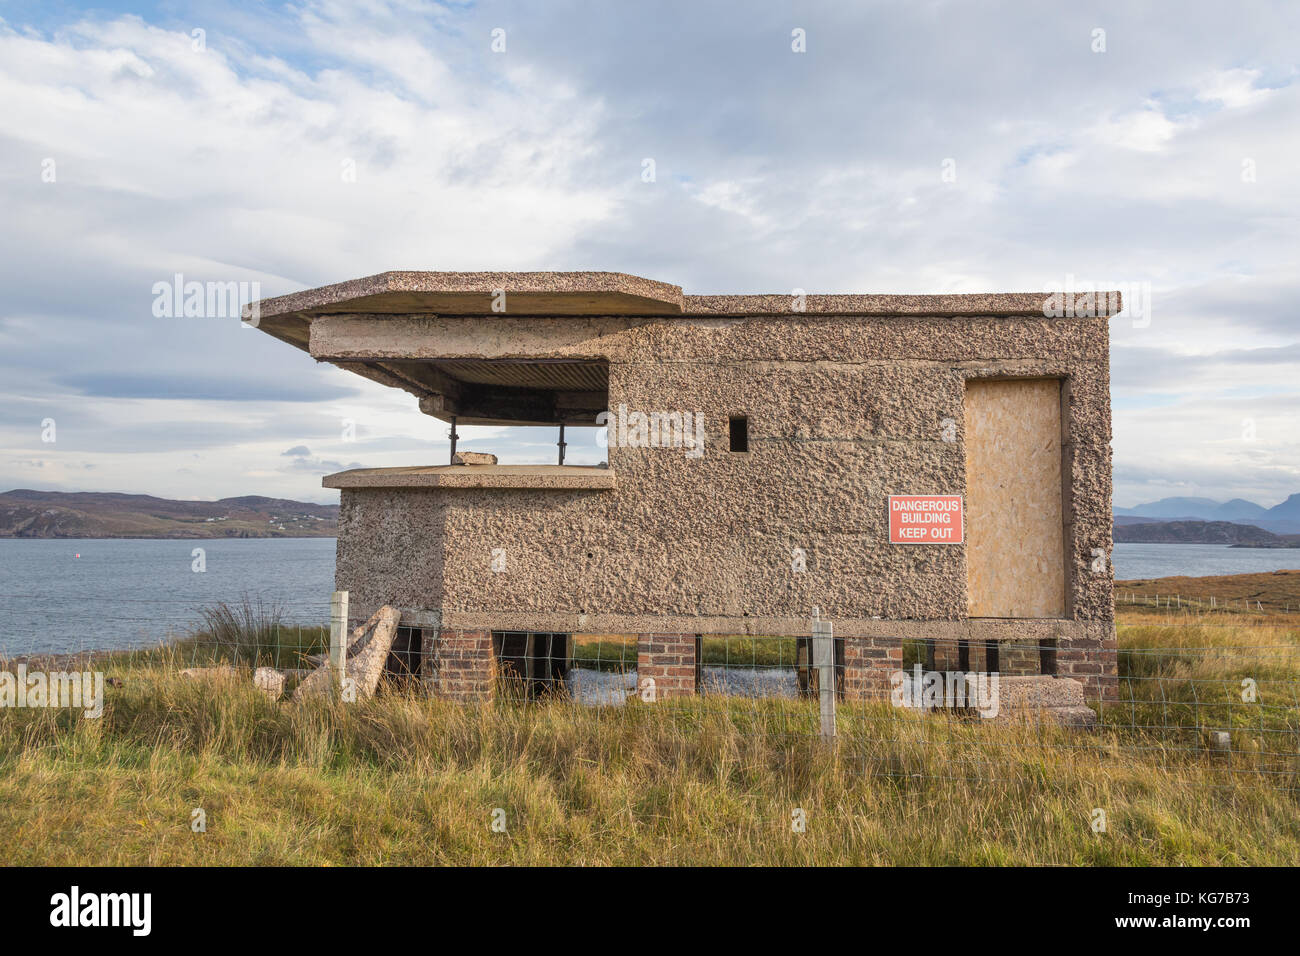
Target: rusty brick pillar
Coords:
[[1093, 661], [670, 660], [869, 663], [463, 667]]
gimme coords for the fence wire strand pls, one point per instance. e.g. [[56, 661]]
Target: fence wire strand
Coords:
[[1206, 688]]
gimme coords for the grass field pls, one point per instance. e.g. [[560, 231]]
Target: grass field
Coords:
[[1268, 592], [402, 779]]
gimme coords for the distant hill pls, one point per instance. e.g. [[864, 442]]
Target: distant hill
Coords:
[[1202, 532], [1173, 508], [1282, 518], [1239, 508], [54, 514], [1289, 509]]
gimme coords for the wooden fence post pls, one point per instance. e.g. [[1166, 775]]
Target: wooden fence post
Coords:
[[338, 638], [823, 655]]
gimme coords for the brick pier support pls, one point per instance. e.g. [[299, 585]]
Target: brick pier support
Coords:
[[869, 663], [1093, 662], [670, 660], [463, 666]]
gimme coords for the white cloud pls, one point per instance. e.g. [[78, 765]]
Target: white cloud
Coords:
[[1233, 89], [1145, 130], [820, 171]]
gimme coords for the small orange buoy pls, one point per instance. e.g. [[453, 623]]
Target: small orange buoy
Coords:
[[78, 555]]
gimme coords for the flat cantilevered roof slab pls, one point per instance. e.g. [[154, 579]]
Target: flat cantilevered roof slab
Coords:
[[472, 293], [288, 317]]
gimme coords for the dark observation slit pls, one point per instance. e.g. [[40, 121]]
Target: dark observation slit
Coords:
[[739, 433]]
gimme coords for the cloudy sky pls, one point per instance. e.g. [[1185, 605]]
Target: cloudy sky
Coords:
[[296, 144]]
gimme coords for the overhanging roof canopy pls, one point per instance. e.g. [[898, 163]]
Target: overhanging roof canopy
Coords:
[[542, 391], [599, 293], [288, 317]]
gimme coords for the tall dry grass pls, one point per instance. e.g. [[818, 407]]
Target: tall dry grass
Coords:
[[250, 631], [403, 779]]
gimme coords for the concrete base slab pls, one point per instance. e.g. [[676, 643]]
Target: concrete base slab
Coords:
[[1044, 699]]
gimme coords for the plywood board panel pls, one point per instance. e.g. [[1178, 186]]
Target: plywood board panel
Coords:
[[1015, 558]]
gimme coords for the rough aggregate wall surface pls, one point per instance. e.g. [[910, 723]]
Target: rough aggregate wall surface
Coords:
[[825, 338], [390, 548], [842, 413]]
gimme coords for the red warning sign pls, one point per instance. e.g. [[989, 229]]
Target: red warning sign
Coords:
[[925, 519]]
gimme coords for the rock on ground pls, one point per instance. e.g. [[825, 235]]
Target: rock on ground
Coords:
[[269, 681]]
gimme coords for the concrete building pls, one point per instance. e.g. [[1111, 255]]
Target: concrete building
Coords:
[[760, 451]]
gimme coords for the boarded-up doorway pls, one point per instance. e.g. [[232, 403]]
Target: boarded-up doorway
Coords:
[[1015, 552]]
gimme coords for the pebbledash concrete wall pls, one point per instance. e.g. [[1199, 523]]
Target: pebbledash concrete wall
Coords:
[[843, 411]]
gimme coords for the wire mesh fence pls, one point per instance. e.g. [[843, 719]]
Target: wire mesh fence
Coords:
[[1205, 688]]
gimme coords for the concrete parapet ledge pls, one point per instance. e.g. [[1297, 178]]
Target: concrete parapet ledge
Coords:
[[571, 294], [539, 477], [472, 293]]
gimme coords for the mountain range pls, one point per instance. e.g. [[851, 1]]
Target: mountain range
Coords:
[[55, 514], [1282, 518]]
